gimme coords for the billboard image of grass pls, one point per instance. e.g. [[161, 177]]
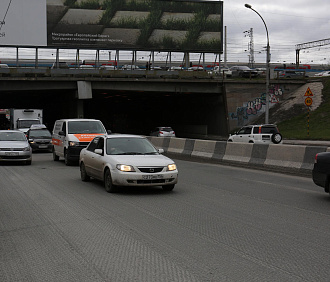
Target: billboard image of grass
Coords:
[[136, 25]]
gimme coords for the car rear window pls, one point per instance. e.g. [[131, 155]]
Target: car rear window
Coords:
[[269, 129], [168, 129]]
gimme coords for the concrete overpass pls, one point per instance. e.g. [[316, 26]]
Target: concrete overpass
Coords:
[[130, 101]]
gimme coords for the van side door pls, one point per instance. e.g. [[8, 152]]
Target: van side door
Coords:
[[57, 139]]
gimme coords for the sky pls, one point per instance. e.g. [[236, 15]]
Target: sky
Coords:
[[289, 22]]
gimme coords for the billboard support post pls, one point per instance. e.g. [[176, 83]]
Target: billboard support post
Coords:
[[117, 58], [77, 58], [36, 65]]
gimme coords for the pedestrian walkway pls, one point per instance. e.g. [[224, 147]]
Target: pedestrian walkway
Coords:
[[298, 96]]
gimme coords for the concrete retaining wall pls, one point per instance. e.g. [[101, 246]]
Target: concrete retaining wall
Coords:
[[297, 159]]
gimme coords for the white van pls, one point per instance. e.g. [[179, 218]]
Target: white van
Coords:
[[70, 136]]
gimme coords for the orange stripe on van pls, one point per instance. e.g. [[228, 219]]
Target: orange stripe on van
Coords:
[[56, 141], [86, 137]]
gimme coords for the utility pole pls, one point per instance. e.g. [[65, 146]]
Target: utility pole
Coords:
[[225, 58], [249, 33]]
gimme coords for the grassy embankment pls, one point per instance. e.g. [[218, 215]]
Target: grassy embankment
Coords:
[[319, 121]]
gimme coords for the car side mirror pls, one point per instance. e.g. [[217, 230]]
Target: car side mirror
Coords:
[[109, 131], [160, 151], [61, 133], [98, 151]]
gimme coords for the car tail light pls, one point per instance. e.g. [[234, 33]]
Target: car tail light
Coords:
[[160, 132], [259, 129], [315, 160]]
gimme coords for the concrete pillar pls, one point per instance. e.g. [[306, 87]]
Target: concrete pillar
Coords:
[[80, 108], [84, 90]]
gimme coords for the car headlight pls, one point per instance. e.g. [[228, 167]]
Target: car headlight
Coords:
[[26, 149], [171, 167], [73, 143], [126, 168]]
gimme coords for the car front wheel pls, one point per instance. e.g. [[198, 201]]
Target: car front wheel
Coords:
[[83, 174], [55, 157], [66, 158], [109, 187]]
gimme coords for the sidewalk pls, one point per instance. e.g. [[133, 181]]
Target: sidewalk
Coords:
[[325, 143], [307, 142]]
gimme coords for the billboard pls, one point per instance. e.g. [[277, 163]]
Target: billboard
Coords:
[[160, 25], [23, 22]]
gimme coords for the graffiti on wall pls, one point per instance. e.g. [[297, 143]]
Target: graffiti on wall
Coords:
[[253, 108]]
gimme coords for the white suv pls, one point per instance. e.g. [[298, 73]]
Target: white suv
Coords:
[[262, 134]]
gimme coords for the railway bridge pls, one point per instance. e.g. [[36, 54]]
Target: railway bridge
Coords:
[[135, 101]]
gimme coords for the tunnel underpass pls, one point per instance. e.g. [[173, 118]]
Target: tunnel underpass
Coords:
[[136, 112], [139, 113]]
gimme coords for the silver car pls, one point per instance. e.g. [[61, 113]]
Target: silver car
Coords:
[[126, 160], [163, 131], [14, 147]]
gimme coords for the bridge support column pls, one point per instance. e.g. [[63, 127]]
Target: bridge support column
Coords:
[[84, 92]]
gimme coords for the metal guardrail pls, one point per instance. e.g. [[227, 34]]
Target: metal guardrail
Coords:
[[76, 72]]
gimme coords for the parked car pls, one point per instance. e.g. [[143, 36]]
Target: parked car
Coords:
[[323, 73], [222, 71], [292, 74], [126, 160], [88, 67], [163, 131], [321, 171], [176, 68], [196, 68], [40, 138], [60, 65], [14, 147], [262, 134], [130, 67], [108, 67], [243, 71], [261, 71], [4, 66]]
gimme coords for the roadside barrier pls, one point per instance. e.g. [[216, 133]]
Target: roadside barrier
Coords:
[[295, 159]]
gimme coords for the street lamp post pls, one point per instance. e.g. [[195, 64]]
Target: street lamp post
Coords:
[[267, 65]]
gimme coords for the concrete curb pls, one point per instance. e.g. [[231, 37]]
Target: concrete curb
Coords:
[[292, 159]]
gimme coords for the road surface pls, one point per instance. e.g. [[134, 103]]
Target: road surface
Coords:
[[220, 223]]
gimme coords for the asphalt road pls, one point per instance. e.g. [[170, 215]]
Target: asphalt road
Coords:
[[219, 224]]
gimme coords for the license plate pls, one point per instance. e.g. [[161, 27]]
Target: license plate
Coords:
[[43, 146], [149, 177], [11, 153]]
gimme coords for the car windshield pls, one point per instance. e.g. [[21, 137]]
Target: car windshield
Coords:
[[39, 133], [12, 136], [78, 127], [129, 146], [26, 123]]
